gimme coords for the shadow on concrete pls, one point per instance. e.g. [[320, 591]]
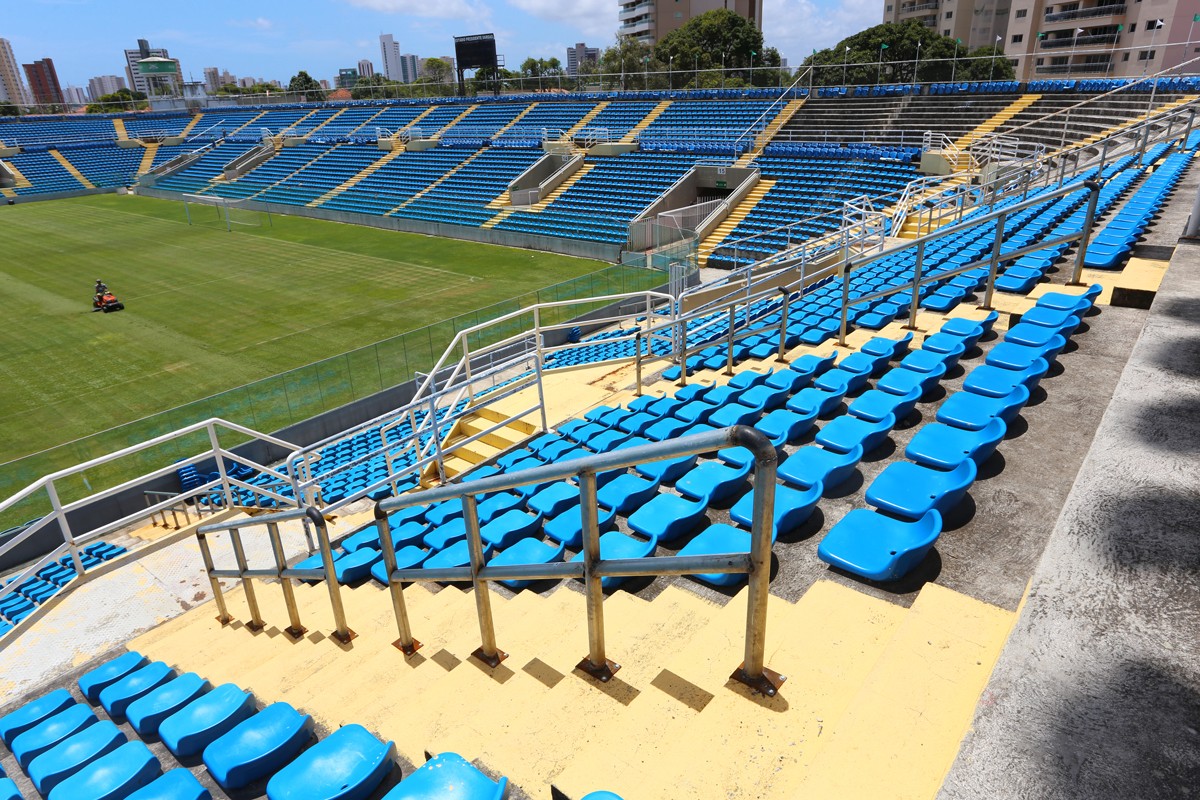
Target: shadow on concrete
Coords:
[[1181, 356], [1178, 308], [1171, 427], [1154, 528], [1134, 734]]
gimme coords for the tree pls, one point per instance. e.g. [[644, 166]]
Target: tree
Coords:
[[9, 110], [715, 40], [120, 100], [542, 68], [302, 82], [437, 70], [375, 86], [626, 64], [888, 53]]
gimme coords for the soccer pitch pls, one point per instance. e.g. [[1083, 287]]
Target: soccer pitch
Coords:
[[208, 310]]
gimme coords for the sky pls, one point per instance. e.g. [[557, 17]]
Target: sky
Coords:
[[272, 39]]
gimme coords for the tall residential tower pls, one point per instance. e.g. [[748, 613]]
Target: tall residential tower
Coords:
[[648, 21]]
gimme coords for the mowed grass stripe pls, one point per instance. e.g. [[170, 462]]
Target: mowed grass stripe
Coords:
[[209, 310]]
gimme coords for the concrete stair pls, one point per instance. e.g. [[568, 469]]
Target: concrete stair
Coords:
[[487, 446], [451, 123], [1095, 137], [743, 209], [69, 167], [654, 114], [190, 126], [541, 205], [326, 122], [768, 133], [912, 222], [354, 181], [21, 181], [438, 182], [312, 160], [516, 120], [249, 123], [148, 159], [583, 123], [119, 126], [990, 125]]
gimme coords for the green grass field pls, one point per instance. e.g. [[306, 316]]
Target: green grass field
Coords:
[[208, 310]]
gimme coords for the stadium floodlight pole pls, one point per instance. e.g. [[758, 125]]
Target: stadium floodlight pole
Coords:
[[954, 61]]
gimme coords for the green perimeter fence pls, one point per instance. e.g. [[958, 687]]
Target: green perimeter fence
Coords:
[[276, 402]]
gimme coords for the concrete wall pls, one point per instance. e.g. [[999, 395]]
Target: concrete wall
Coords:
[[544, 176], [29, 198]]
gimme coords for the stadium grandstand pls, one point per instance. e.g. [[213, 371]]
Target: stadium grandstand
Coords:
[[888, 487]]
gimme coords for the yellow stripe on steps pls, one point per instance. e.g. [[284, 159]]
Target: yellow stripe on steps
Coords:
[[654, 114], [75, 173], [727, 226], [119, 126], [148, 159], [989, 126], [354, 181]]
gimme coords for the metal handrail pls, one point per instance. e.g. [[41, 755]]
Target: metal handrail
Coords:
[[756, 564]]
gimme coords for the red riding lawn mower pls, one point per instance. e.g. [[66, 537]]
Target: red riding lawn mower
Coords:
[[107, 302]]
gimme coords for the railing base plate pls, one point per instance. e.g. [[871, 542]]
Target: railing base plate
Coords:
[[255, 626], [603, 673], [296, 633], [768, 683], [344, 638], [493, 660], [407, 649], [223, 620]]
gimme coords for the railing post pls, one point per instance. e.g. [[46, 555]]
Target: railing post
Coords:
[[845, 322], [994, 264], [783, 325], [295, 629], [206, 554], [406, 643], [64, 527], [1086, 237], [487, 652], [637, 361], [915, 305], [437, 438], [467, 369], [256, 623], [729, 345], [342, 633], [753, 672], [216, 448], [683, 353], [595, 663]]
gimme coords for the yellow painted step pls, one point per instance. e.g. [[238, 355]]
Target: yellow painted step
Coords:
[[515, 121], [119, 126], [654, 114], [249, 122], [188, 128], [492, 415], [541, 205], [21, 181], [148, 158], [754, 746], [1004, 115], [313, 160], [900, 734], [75, 173], [768, 133], [354, 181], [439, 181], [8, 192], [502, 200], [587, 119], [743, 209], [1095, 137], [502, 438], [452, 122]]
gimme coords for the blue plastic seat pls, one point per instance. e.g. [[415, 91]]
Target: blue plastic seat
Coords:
[[33, 712], [789, 380], [910, 490], [928, 360], [567, 527], [1020, 357], [902, 381], [1072, 301], [356, 566], [845, 433], [881, 346], [840, 380], [176, 784], [614, 545], [667, 517], [813, 365], [456, 555], [875, 405], [1000, 382], [734, 414], [626, 493], [446, 534], [512, 527], [529, 550], [716, 540], [1040, 336], [448, 776], [970, 331], [782, 426], [554, 499], [498, 504], [146, 713], [111, 777], [90, 683], [32, 743], [763, 397], [879, 547], [1050, 317], [258, 746], [748, 379], [793, 507], [73, 753], [811, 465], [811, 399], [9, 790], [117, 696], [941, 446], [192, 728], [347, 765], [974, 411], [695, 411], [666, 470], [712, 482], [443, 512]]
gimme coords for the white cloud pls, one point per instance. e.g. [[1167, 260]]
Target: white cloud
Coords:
[[258, 24], [797, 27], [595, 19], [440, 9]]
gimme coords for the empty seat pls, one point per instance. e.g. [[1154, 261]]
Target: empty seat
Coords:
[[527, 551], [117, 696], [147, 712], [614, 545], [793, 507], [258, 746], [879, 547], [32, 743], [1000, 381], [73, 753], [667, 517], [845, 433], [941, 446], [910, 490], [811, 465], [196, 725], [177, 784], [33, 712], [111, 777], [347, 765], [715, 540], [974, 411], [90, 683], [448, 776]]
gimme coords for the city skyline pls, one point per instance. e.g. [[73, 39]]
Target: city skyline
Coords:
[[86, 38]]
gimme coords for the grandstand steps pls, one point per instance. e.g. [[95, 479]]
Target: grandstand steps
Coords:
[[1095, 137], [912, 221], [354, 181], [990, 125], [502, 200], [453, 122], [300, 121], [326, 122], [122, 133], [286, 178], [515, 120], [419, 117], [21, 181], [583, 123], [6, 192], [542, 204], [249, 122], [727, 226], [148, 159], [654, 114], [768, 133], [69, 167], [487, 446], [496, 220], [439, 181], [190, 126], [367, 121]]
